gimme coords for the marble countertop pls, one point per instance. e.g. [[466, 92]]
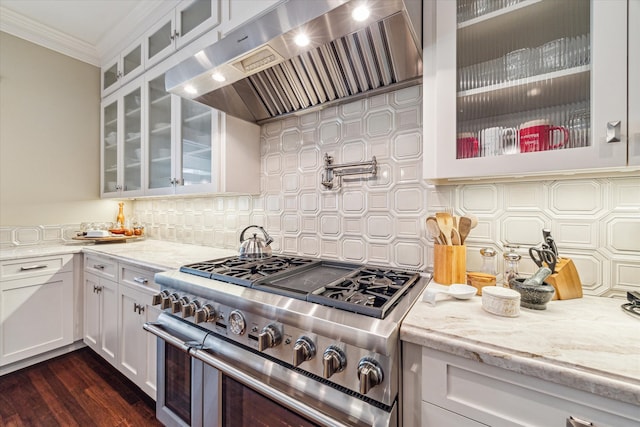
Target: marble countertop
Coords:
[[588, 343], [154, 254]]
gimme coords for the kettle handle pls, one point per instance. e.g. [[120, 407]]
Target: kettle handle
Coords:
[[266, 235]]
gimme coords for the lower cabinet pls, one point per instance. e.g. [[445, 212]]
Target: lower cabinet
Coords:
[[101, 316], [36, 306], [453, 391], [137, 347], [117, 305]]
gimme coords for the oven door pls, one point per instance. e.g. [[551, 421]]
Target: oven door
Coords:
[[234, 387]]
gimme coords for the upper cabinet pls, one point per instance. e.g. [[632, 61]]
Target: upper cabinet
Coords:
[[192, 148], [123, 68], [190, 19], [121, 142], [523, 87]]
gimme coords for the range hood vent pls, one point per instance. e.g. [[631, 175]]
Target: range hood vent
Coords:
[[274, 77]]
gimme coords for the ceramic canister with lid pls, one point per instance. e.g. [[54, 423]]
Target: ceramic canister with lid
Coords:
[[501, 301]]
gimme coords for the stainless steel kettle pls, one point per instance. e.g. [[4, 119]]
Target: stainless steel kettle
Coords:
[[255, 247]]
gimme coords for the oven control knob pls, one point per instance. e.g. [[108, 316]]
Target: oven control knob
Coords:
[[190, 309], [304, 349], [177, 305], [168, 300], [269, 337], [237, 324], [206, 313], [333, 360], [369, 373], [157, 298]]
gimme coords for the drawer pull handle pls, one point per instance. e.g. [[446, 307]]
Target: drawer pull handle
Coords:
[[97, 289], [138, 307], [34, 267], [577, 422], [141, 280], [98, 266]]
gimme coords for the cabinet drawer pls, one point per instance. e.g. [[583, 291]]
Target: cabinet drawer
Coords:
[[101, 266], [37, 266], [138, 277], [498, 397]]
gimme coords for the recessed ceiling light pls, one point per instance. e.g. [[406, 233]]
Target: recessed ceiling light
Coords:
[[190, 89], [360, 13], [218, 77], [534, 91], [301, 39]]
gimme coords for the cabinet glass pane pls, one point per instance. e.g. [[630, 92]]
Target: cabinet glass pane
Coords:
[[196, 143], [194, 15], [110, 155], [132, 138], [110, 76], [160, 40], [523, 75], [132, 60], [159, 153]]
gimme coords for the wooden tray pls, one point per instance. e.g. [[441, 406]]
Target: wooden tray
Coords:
[[108, 239]]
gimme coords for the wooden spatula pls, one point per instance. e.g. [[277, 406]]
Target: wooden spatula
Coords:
[[464, 227], [445, 223]]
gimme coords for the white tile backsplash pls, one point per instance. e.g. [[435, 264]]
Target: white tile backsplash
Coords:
[[596, 222]]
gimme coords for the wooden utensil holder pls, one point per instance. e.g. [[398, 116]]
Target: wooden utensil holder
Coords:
[[449, 264], [565, 280]]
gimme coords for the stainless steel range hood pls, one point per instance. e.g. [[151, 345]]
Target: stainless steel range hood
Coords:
[[268, 75]]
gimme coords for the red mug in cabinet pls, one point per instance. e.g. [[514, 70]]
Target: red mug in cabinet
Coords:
[[539, 135], [467, 145]]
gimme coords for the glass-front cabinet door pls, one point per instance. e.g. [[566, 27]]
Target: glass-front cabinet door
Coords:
[[540, 86], [122, 153], [194, 17], [180, 142], [109, 143], [198, 124], [160, 177], [132, 150]]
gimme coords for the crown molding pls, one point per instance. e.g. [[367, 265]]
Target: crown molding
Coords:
[[20, 26]]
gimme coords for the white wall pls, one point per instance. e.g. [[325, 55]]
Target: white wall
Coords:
[[49, 139], [596, 222]]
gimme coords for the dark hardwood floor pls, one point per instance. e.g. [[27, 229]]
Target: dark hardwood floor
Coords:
[[76, 389]]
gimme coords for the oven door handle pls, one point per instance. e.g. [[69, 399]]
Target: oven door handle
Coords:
[[156, 329], [266, 390]]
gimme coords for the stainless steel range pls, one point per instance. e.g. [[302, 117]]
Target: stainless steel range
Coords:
[[311, 338]]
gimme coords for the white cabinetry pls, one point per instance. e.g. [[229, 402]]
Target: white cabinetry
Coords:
[[237, 12], [563, 65], [36, 306], [121, 142], [123, 68], [137, 347], [101, 306], [195, 149], [462, 392], [190, 19]]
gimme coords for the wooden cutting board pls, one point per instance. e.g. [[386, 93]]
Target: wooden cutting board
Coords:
[[566, 280], [108, 239]]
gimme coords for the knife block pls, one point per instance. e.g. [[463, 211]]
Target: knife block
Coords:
[[566, 280]]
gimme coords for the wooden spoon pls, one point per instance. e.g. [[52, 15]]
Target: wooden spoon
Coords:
[[434, 230], [464, 227], [474, 220], [455, 237], [445, 222]]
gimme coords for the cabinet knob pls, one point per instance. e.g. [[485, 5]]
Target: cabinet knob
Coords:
[[141, 280], [613, 131], [577, 422]]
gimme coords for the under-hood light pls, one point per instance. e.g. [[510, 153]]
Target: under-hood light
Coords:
[[218, 77], [301, 39], [360, 13], [190, 89]]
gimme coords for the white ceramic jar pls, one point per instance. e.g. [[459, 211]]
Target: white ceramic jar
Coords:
[[501, 301]]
